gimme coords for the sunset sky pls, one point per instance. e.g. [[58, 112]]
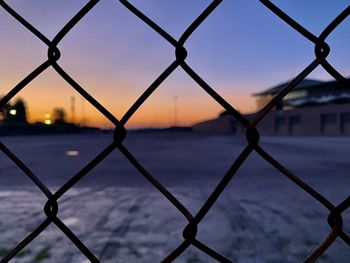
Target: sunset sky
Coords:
[[240, 49]]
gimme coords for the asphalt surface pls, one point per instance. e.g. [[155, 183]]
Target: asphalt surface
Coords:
[[260, 217]]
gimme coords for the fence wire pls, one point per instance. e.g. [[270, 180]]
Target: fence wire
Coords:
[[322, 49]]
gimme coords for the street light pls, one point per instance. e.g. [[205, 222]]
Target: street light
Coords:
[[47, 120]]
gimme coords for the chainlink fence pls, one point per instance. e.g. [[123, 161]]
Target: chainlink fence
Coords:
[[322, 49]]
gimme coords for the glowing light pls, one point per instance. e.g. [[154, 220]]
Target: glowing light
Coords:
[[13, 112], [47, 120], [72, 153]]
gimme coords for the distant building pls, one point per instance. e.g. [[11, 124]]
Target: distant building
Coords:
[[312, 108], [307, 93]]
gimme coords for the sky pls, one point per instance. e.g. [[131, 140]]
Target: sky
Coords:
[[240, 49]]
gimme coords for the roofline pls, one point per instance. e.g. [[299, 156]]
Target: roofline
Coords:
[[268, 91]]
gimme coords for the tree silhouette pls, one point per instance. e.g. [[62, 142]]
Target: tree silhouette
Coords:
[[4, 111], [59, 115], [17, 113]]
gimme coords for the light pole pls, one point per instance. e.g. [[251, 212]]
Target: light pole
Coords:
[[175, 110], [72, 100], [83, 111]]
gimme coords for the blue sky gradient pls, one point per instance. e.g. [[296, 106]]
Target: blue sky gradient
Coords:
[[240, 49]]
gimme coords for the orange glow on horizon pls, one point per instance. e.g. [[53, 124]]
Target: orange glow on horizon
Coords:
[[148, 116], [49, 90]]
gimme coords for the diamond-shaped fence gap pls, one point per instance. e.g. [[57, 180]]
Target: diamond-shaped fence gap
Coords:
[[201, 171], [175, 103], [47, 17], [130, 52], [167, 14]]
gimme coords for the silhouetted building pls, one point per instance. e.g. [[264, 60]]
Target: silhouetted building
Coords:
[[312, 108], [307, 93]]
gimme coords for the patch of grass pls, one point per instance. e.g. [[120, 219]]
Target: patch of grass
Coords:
[[5, 251], [23, 253], [193, 259], [42, 255]]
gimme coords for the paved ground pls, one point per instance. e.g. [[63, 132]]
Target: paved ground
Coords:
[[261, 217]]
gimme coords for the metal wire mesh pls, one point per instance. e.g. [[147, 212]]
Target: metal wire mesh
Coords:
[[322, 49]]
